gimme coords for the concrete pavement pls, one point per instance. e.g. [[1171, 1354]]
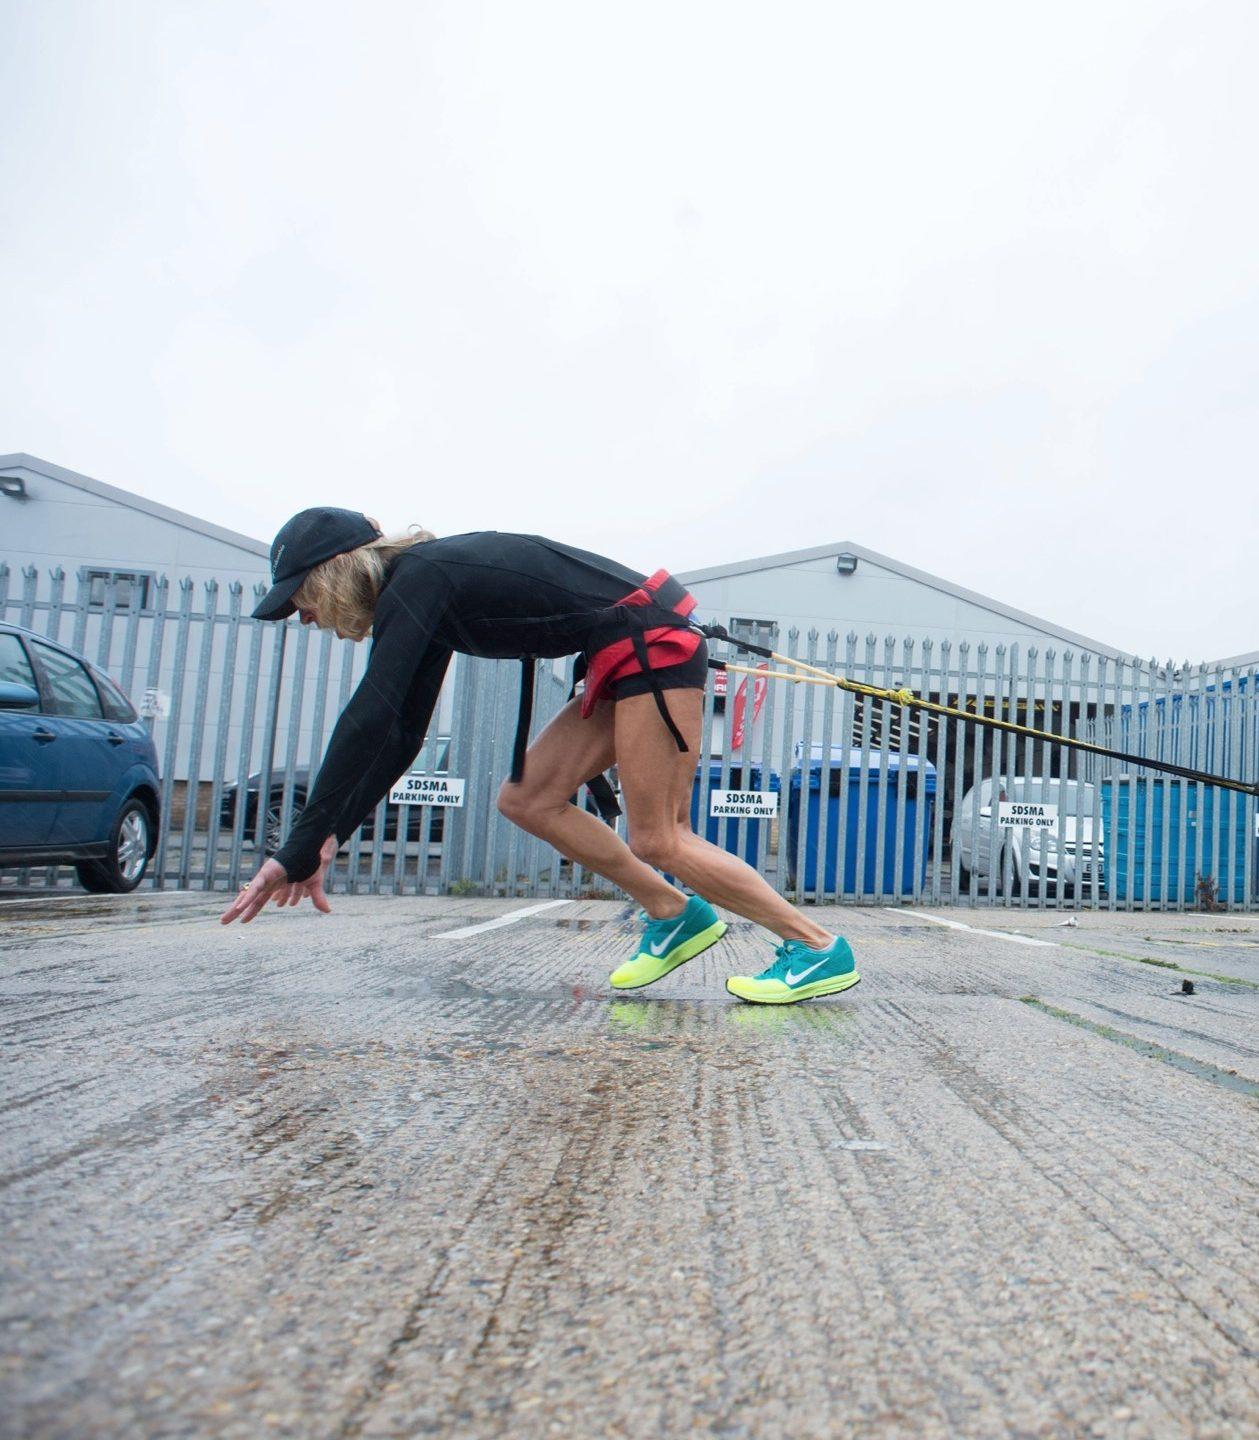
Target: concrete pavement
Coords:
[[339, 1177]]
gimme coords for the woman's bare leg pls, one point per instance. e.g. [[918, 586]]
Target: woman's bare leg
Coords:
[[656, 781], [563, 757]]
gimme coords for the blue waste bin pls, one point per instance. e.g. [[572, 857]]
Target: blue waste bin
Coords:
[[902, 833], [1135, 808], [742, 836]]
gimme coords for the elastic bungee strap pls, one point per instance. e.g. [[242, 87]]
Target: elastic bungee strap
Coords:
[[905, 697]]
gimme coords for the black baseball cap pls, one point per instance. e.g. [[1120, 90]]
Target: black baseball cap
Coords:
[[307, 540]]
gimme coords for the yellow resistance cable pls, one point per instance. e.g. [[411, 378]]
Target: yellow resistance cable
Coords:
[[813, 676]]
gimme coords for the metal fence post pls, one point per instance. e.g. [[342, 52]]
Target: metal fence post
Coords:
[[806, 695], [253, 673], [297, 694], [271, 724], [192, 792], [170, 758], [30, 582], [830, 776], [790, 844], [223, 728]]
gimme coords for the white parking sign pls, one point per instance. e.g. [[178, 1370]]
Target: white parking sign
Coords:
[[427, 790], [745, 804], [1034, 814]]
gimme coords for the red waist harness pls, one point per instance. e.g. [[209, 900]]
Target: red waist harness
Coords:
[[635, 650], [665, 645]]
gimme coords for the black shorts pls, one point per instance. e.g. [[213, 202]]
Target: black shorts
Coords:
[[691, 674]]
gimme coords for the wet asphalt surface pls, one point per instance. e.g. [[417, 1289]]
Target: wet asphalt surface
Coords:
[[339, 1176]]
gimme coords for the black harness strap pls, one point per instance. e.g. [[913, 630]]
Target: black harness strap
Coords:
[[601, 791], [524, 717], [719, 632], [640, 649]]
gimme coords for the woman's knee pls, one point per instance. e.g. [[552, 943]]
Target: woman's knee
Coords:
[[520, 802], [514, 801], [657, 847]]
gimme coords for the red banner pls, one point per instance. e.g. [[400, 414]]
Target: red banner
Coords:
[[737, 726]]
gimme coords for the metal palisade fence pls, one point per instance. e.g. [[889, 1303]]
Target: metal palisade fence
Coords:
[[830, 795]]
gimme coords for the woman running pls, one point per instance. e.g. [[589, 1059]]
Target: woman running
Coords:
[[523, 597]]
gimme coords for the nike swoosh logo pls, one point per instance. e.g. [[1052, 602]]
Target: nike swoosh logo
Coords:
[[666, 942], [792, 977]]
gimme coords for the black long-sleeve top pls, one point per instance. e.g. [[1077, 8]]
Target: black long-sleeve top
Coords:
[[489, 594]]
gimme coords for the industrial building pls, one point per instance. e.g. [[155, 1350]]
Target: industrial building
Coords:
[[847, 587], [52, 517], [110, 544]]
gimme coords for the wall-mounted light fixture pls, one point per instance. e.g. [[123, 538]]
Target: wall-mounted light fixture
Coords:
[[13, 486], [846, 564]]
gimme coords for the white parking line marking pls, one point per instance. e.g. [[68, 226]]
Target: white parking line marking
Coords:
[[508, 919], [974, 929]]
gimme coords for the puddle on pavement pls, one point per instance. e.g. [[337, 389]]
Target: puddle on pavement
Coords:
[[661, 1022], [836, 1021], [87, 914], [453, 987]]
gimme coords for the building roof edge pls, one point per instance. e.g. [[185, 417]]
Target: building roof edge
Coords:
[[20, 460]]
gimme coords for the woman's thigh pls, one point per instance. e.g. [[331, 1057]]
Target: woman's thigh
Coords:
[[567, 753], [656, 776]]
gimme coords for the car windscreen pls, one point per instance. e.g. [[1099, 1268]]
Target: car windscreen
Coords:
[[1068, 793]]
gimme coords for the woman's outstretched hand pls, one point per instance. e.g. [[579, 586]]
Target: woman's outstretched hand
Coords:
[[272, 884], [265, 885]]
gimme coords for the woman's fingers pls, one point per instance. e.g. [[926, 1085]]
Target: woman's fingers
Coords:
[[237, 908], [254, 903], [244, 907], [256, 894]]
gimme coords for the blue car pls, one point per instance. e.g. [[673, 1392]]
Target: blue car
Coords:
[[78, 769]]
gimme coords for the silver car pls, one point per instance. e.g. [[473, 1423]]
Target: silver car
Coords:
[[1064, 856]]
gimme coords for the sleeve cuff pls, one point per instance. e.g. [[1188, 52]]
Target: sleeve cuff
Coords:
[[298, 866]]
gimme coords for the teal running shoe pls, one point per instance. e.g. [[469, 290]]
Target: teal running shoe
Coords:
[[666, 944], [799, 973]]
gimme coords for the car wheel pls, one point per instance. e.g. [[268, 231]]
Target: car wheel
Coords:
[[274, 837], [123, 868]]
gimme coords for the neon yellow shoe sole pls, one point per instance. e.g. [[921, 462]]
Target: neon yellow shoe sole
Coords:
[[646, 969], [774, 992]]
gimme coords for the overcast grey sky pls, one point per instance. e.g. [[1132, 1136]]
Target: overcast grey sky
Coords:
[[976, 285]]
